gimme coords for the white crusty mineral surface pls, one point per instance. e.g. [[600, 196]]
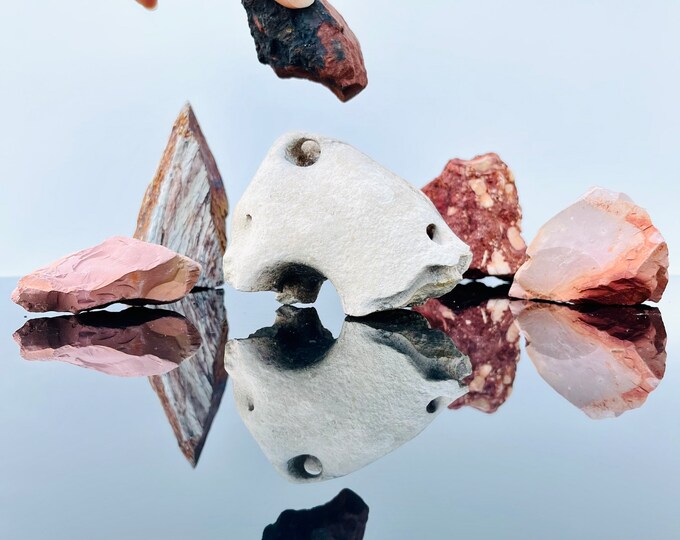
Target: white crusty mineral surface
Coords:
[[319, 209], [603, 248], [322, 408]]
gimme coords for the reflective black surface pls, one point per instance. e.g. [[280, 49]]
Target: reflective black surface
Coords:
[[88, 455]]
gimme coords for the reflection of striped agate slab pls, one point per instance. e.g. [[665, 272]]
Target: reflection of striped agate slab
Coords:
[[185, 206], [192, 393]]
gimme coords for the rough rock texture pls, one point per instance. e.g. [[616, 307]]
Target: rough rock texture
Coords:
[[603, 249], [185, 206], [118, 270], [137, 342], [479, 321], [191, 394], [343, 518], [605, 361], [314, 43], [321, 408], [478, 199], [319, 209]]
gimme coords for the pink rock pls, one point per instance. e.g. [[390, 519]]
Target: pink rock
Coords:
[[482, 326], [605, 361], [134, 343], [603, 248], [478, 200], [118, 270]]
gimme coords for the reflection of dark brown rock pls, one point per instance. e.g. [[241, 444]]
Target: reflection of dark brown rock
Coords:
[[478, 200], [478, 320], [343, 518], [313, 43], [191, 395], [604, 360], [136, 342]]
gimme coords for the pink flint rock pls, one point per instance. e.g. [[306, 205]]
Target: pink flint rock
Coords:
[[478, 200], [603, 248], [117, 270]]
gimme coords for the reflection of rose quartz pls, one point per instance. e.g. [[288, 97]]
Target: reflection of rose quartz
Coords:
[[134, 343], [604, 361]]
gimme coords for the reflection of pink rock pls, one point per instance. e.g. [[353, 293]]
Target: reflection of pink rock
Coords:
[[118, 270], [605, 361], [603, 249], [133, 343], [487, 333], [478, 200]]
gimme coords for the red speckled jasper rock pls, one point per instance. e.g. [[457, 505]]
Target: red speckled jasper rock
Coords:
[[605, 361], [482, 327], [478, 199], [117, 270], [603, 248]]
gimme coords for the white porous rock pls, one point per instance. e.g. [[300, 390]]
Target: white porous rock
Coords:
[[322, 408], [319, 209]]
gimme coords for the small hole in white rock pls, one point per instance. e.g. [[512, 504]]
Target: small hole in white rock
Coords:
[[305, 466], [431, 229], [303, 152], [249, 218], [431, 406], [251, 406]]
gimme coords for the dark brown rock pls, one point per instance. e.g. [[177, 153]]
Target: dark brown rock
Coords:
[[479, 321], [313, 43], [478, 200], [191, 394], [343, 518]]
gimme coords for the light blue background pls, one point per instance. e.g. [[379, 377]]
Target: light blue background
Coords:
[[570, 94]]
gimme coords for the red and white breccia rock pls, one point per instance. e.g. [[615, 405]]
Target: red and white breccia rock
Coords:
[[118, 270], [603, 248], [488, 334], [605, 361], [478, 200]]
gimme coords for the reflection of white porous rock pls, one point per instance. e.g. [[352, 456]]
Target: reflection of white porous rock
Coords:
[[321, 408], [319, 209]]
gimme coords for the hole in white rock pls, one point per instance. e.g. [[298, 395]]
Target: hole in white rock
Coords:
[[431, 230], [303, 152], [305, 466], [251, 405], [431, 406]]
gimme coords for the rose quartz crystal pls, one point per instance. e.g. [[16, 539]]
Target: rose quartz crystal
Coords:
[[486, 331], [605, 361], [134, 343], [118, 270], [478, 200], [604, 248]]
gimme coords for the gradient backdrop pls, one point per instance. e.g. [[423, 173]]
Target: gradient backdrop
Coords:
[[570, 94]]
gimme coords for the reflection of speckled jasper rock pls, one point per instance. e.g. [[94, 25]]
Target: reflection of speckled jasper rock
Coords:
[[478, 200], [605, 361], [603, 248], [314, 43], [486, 331], [117, 270]]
